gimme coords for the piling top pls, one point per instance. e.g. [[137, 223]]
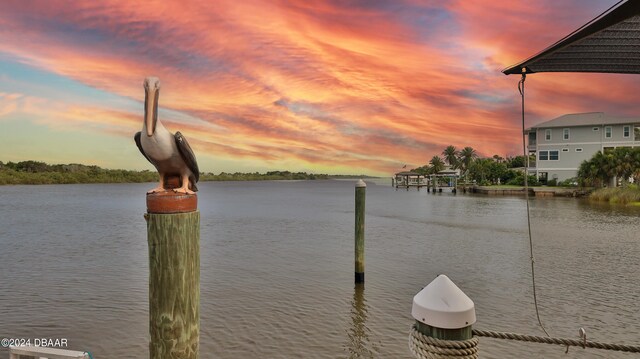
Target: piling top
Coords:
[[442, 304], [171, 202], [361, 183]]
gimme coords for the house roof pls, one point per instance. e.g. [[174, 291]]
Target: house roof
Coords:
[[449, 172], [586, 119], [608, 43], [408, 173]]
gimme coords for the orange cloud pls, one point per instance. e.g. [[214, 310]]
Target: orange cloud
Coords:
[[368, 85]]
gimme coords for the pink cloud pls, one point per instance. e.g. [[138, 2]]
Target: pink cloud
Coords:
[[315, 83]]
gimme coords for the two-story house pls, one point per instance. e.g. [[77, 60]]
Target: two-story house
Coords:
[[561, 144]]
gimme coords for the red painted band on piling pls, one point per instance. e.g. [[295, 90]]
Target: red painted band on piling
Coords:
[[171, 202]]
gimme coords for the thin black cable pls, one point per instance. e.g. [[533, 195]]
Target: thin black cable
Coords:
[[526, 194]]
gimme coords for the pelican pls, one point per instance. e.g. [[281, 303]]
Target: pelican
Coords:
[[170, 154]]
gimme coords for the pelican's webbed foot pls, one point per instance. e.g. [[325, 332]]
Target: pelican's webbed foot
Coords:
[[157, 190], [184, 190], [185, 186]]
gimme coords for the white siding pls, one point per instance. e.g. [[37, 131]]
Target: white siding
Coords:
[[580, 137]]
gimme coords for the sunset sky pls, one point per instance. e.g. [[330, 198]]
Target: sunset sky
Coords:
[[317, 86]]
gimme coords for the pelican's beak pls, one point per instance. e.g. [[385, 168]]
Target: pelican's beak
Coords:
[[151, 108]]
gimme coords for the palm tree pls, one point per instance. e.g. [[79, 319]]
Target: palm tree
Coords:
[[451, 156], [608, 168], [587, 173], [635, 155], [598, 170], [467, 155], [480, 168], [437, 164], [623, 163]]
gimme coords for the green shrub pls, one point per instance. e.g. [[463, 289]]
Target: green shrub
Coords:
[[519, 180], [569, 182]]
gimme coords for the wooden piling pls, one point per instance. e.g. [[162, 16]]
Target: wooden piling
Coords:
[[173, 233], [361, 190], [452, 321]]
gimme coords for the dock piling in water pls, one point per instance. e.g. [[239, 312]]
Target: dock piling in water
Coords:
[[173, 233], [443, 329], [361, 190]]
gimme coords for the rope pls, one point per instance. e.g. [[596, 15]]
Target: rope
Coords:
[[526, 195], [425, 347], [560, 341]]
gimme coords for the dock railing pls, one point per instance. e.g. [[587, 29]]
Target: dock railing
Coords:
[[45, 352]]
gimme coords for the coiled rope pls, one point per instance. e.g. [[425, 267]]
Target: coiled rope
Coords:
[[425, 347], [584, 343]]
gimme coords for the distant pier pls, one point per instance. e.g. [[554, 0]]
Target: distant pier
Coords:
[[433, 182]]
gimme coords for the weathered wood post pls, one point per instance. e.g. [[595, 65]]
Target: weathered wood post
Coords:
[[443, 312], [173, 233], [361, 191]]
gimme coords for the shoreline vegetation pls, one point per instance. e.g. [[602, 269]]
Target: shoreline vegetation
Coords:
[[629, 195], [34, 173], [496, 174]]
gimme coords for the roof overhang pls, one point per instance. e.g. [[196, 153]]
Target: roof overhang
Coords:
[[407, 173], [609, 43]]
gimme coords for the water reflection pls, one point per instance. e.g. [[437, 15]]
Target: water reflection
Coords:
[[359, 344], [254, 233]]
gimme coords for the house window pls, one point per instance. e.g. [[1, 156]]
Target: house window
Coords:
[[596, 128], [565, 150], [636, 133], [565, 133], [578, 149], [607, 150], [543, 155], [547, 135], [607, 132], [626, 131], [553, 155]]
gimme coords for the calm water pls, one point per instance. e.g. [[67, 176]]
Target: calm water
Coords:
[[277, 268]]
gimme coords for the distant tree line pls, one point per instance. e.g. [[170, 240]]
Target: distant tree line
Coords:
[[35, 172], [484, 171], [256, 176]]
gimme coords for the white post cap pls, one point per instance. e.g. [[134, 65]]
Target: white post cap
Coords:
[[361, 183], [442, 304]]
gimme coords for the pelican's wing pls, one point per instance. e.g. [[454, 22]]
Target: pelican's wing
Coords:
[[136, 137], [187, 154]]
